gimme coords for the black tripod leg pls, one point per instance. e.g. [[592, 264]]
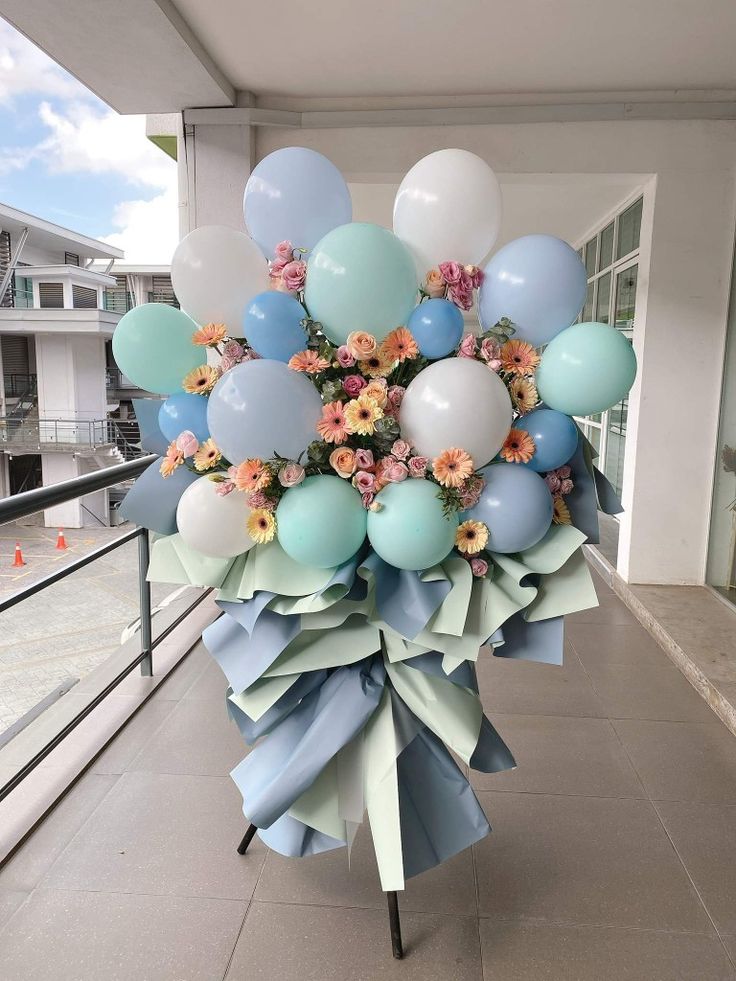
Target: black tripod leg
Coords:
[[247, 838], [397, 947]]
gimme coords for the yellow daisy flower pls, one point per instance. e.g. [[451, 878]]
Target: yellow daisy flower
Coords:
[[471, 537], [261, 526], [378, 365], [362, 414], [201, 380], [560, 511], [523, 394], [207, 456]]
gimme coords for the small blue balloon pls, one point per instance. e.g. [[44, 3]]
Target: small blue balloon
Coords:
[[555, 438], [272, 325], [538, 282], [437, 326], [515, 506], [183, 411]]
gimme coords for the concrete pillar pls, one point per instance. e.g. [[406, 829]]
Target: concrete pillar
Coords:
[[215, 167], [71, 376], [56, 467]]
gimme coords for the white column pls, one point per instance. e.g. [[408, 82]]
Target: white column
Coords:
[[56, 467], [215, 167]]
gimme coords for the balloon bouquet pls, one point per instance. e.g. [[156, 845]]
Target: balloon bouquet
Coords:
[[379, 497]]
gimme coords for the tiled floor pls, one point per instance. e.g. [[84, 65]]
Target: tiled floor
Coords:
[[612, 857]]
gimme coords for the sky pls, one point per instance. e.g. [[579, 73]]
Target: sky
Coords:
[[67, 157]]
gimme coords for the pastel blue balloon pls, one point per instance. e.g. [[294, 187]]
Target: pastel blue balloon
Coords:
[[321, 522], [183, 411], [294, 194], [515, 505], [555, 438], [410, 531], [153, 346], [437, 326], [261, 407], [272, 325], [360, 277], [539, 282], [586, 369]]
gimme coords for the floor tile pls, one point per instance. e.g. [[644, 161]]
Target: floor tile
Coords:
[[211, 683], [517, 952], [198, 737], [36, 855], [119, 938], [614, 642], [610, 611], [685, 761], [163, 834], [138, 733], [562, 755], [528, 688], [328, 880], [705, 837], [9, 903], [182, 679], [583, 860], [316, 943]]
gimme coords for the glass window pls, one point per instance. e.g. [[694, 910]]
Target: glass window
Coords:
[[615, 443], [629, 227], [606, 251], [603, 300], [588, 308], [591, 251], [626, 298], [594, 435]]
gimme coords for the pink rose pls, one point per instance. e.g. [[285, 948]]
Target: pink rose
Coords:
[[344, 357], [467, 347], [479, 567], [291, 474], [276, 268], [418, 466], [353, 385], [284, 250], [566, 486], [401, 449], [470, 495], [226, 363], [233, 350], [293, 275], [258, 499], [232, 473], [553, 482], [461, 296], [476, 276], [224, 487], [563, 472], [396, 472], [396, 396], [490, 350], [364, 482], [364, 460], [367, 501], [187, 443], [250, 355], [451, 272]]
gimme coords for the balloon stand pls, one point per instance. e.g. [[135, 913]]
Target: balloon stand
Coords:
[[380, 500]]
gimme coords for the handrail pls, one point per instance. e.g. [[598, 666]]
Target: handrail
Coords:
[[29, 502]]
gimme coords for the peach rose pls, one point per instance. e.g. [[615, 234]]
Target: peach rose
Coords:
[[342, 461], [434, 284], [377, 391], [361, 345]]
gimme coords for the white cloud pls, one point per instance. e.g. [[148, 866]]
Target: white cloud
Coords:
[[25, 69], [148, 229]]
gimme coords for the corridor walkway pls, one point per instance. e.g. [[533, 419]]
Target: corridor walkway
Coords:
[[612, 857]]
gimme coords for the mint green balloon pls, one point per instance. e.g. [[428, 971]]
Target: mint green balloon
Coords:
[[410, 531], [586, 368], [321, 522], [360, 277], [153, 346]]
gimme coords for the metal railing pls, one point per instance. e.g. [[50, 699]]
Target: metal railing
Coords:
[[50, 435], [30, 502], [118, 300], [117, 381], [16, 384]]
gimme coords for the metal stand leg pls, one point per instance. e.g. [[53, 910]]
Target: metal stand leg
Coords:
[[397, 947], [247, 838]]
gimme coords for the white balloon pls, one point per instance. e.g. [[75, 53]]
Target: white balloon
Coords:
[[216, 271], [211, 524], [448, 207], [459, 403]]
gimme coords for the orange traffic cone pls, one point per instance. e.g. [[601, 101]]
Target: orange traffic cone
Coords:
[[60, 540], [18, 561]]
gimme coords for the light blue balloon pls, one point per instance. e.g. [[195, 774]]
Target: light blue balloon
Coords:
[[360, 277], [296, 195], [321, 522], [539, 282], [515, 506], [410, 531], [272, 325], [183, 411], [555, 438], [261, 407], [586, 369], [153, 346], [437, 326]]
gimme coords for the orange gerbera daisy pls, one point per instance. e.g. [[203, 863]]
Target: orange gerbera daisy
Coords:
[[523, 394], [518, 447], [261, 525], [201, 380], [362, 414], [560, 511], [308, 361], [209, 335], [471, 537], [332, 427], [207, 456], [520, 357], [251, 475], [378, 365], [173, 459], [400, 345], [452, 467]]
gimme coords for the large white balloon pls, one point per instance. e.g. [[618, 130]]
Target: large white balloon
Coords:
[[211, 524], [448, 207], [460, 403], [216, 271]]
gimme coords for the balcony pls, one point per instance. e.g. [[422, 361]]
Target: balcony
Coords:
[[34, 435], [119, 300]]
